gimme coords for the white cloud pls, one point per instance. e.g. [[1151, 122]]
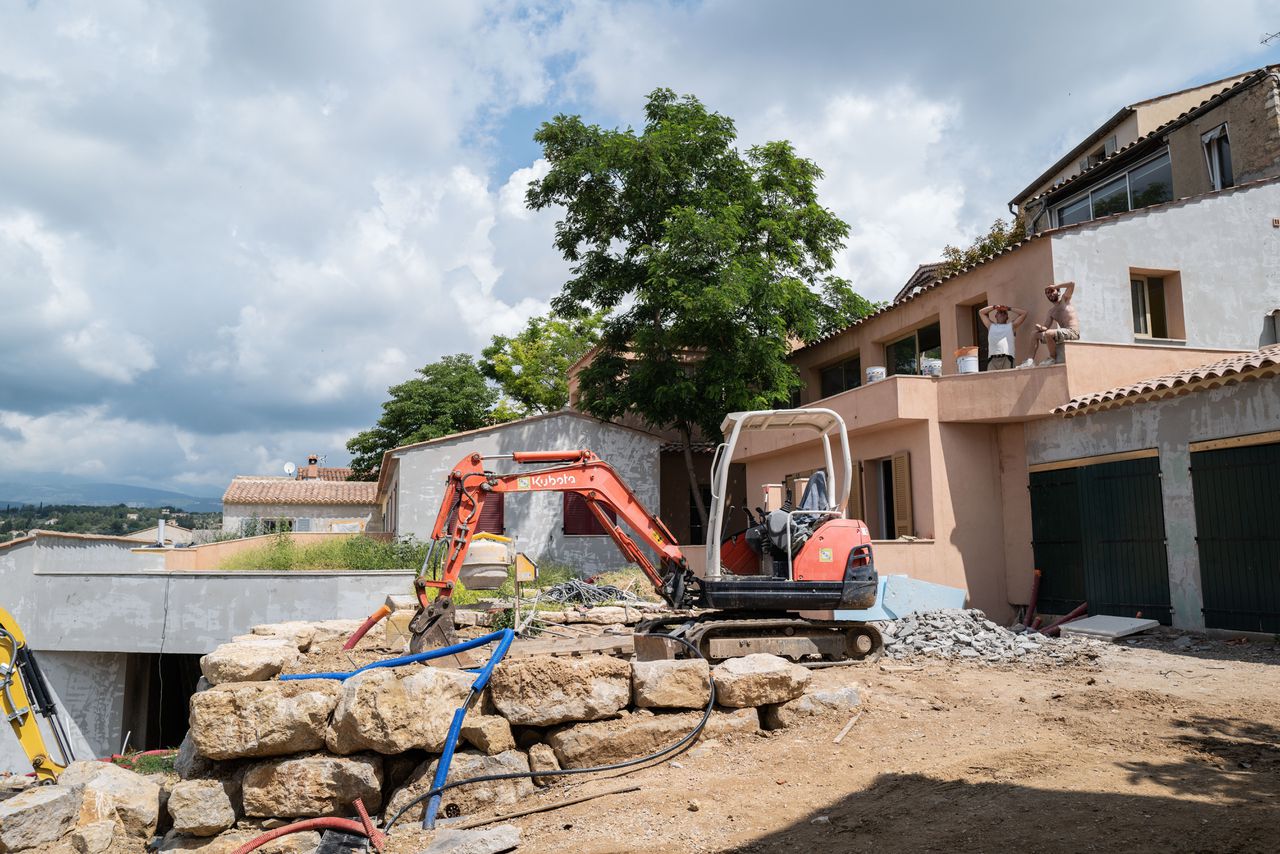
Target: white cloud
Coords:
[[112, 354]]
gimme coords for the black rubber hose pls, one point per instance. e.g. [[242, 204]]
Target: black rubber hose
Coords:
[[563, 772]]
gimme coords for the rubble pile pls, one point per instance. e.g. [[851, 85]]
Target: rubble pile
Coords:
[[968, 634], [262, 752]]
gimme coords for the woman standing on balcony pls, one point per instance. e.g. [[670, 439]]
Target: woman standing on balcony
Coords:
[[1000, 334]]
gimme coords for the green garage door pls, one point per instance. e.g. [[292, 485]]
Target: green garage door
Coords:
[[1237, 496], [1098, 536]]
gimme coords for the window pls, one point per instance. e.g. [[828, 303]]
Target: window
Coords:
[[493, 514], [302, 525], [276, 526], [1149, 317], [579, 521], [1217, 152], [841, 376], [894, 510], [904, 355], [1148, 183]]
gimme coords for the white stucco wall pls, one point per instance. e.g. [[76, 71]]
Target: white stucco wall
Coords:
[[323, 517], [1224, 246], [534, 519], [1170, 426]]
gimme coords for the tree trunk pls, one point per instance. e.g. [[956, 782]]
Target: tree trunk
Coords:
[[685, 431]]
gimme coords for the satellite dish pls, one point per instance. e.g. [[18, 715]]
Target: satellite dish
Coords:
[[290, 469]]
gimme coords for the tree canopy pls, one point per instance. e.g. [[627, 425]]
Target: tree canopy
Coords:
[[710, 265], [446, 397], [532, 367], [999, 237]]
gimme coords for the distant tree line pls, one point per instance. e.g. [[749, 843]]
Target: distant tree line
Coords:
[[115, 519]]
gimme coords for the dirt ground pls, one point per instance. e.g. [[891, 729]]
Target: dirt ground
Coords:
[[1152, 747]]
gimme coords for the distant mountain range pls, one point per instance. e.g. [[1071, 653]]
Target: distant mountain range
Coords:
[[61, 489]]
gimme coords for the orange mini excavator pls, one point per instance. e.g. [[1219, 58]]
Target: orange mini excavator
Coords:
[[770, 587]]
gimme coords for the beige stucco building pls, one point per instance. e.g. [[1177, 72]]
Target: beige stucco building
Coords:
[[942, 462]]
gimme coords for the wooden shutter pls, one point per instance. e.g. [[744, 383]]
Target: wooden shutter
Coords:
[[903, 524], [493, 514], [579, 520], [854, 510]]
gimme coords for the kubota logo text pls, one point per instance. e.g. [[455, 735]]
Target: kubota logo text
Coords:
[[546, 481]]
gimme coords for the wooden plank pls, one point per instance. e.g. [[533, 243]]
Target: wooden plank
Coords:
[[1079, 462], [1236, 441]]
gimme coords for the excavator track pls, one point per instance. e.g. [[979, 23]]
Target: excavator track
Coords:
[[812, 643]]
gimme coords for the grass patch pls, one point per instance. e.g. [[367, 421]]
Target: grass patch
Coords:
[[282, 554], [148, 764]]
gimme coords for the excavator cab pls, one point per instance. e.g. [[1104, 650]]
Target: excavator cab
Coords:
[[807, 556]]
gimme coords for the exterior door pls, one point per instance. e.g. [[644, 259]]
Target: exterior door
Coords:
[[1237, 498], [1107, 546]]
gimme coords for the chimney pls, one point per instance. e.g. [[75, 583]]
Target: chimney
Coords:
[[312, 471]]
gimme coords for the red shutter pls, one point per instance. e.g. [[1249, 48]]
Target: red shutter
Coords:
[[580, 521], [492, 515]]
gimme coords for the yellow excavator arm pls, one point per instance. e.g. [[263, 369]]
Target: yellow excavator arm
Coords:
[[23, 695]]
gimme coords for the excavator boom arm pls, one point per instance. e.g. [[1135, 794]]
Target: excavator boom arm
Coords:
[[580, 472]]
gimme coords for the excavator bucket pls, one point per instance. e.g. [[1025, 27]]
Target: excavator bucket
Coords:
[[432, 628]]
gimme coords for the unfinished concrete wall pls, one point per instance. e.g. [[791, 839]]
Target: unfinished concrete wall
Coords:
[[1170, 426], [1223, 247], [534, 519], [89, 688]]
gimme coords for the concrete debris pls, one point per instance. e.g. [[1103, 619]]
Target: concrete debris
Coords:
[[671, 684], [757, 680], [488, 840], [257, 719], [542, 691], [306, 786], [201, 808], [968, 634]]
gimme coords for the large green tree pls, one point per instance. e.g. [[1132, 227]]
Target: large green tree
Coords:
[[710, 264], [532, 367], [446, 397]]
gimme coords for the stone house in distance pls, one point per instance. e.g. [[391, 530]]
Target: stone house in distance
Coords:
[[315, 499]]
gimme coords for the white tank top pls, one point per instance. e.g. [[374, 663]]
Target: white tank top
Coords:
[[1000, 339]]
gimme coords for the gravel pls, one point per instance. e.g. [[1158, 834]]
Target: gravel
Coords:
[[968, 634]]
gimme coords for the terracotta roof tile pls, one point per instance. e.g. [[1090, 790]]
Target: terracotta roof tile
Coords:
[[325, 473], [1233, 369], [286, 490]]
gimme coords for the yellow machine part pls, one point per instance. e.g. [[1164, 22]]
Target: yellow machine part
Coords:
[[16, 703]]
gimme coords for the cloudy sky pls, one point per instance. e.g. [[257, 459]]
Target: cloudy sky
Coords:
[[226, 228]]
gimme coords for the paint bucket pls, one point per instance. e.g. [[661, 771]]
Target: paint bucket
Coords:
[[931, 367], [967, 364], [875, 374]]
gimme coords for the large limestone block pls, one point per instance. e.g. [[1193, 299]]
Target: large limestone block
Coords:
[[298, 631], [671, 684], [262, 718], [95, 837], [312, 785], [44, 814], [200, 808], [305, 842], [543, 758], [639, 734], [490, 733], [757, 680], [392, 710], [469, 799], [250, 660], [135, 799], [842, 699], [544, 690], [489, 840]]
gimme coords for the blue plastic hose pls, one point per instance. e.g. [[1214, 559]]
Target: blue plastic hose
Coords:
[[504, 637]]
